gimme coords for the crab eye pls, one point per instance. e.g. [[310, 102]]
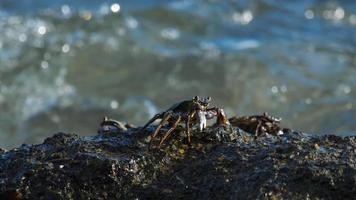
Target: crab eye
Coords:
[[196, 98], [208, 99]]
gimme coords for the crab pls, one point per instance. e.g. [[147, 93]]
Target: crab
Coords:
[[111, 125], [191, 112], [258, 124]]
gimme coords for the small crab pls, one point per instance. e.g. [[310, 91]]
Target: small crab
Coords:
[[191, 112], [111, 125], [258, 124]]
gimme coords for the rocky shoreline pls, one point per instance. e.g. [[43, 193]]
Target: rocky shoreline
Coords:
[[223, 162]]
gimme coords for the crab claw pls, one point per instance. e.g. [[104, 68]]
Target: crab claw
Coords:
[[202, 120], [221, 118], [220, 115]]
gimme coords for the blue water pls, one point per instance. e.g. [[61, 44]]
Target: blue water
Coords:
[[64, 64]]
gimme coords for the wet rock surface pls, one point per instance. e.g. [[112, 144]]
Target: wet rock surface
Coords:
[[221, 163]]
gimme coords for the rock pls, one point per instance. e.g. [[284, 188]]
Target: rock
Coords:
[[221, 163]]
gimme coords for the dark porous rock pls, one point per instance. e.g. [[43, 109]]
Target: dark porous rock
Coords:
[[221, 163]]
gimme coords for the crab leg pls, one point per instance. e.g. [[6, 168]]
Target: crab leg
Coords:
[[258, 131], [170, 131], [165, 118], [157, 116], [190, 115]]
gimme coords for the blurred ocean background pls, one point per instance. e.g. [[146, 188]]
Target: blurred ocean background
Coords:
[[65, 64]]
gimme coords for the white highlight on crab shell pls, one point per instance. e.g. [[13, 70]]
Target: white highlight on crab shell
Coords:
[[202, 120]]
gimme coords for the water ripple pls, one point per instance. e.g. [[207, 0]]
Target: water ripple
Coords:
[[65, 64]]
